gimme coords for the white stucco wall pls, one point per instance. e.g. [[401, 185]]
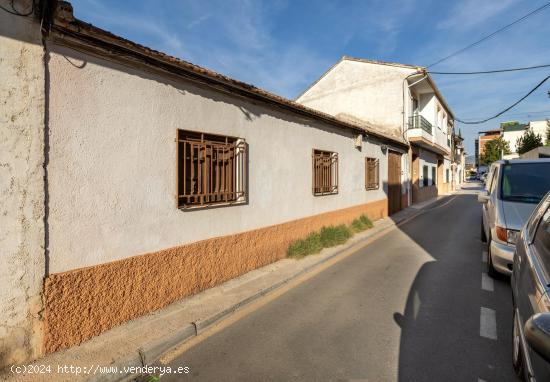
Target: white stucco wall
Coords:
[[539, 127], [370, 92], [460, 171], [511, 137], [441, 136], [447, 167], [21, 185], [112, 168], [427, 108], [428, 105]]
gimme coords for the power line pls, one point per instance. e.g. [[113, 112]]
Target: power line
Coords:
[[508, 108], [527, 113], [496, 71], [491, 35]]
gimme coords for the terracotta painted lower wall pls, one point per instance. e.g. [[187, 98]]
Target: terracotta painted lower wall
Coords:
[[404, 200], [82, 303], [421, 194]]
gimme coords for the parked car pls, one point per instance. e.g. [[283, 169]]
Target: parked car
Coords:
[[513, 189], [531, 299], [483, 177]]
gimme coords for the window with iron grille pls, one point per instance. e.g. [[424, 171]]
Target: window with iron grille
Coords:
[[325, 172], [371, 173], [212, 169]]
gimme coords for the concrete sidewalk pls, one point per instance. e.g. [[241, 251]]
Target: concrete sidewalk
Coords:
[[144, 340]]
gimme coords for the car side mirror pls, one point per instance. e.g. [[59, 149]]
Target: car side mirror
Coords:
[[537, 334], [483, 196]]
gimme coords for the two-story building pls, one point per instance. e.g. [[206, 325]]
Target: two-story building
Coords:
[[399, 100]]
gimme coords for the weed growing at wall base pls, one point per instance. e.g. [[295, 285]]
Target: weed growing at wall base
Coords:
[[332, 236], [327, 237], [361, 223], [303, 247]]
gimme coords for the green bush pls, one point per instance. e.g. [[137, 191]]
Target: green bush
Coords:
[[327, 237], [331, 236], [303, 247], [361, 223], [365, 219], [358, 226]]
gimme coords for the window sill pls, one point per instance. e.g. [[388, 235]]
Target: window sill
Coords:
[[326, 193], [212, 206]]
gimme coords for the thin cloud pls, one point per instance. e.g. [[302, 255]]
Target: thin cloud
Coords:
[[478, 97], [470, 13], [160, 37], [197, 21], [283, 46]]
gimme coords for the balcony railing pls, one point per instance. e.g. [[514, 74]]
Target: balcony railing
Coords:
[[419, 122]]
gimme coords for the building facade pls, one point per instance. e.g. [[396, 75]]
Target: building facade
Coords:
[[482, 139], [458, 162], [510, 132], [541, 128], [22, 144], [134, 179], [399, 100]]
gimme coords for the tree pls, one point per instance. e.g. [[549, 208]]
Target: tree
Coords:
[[493, 150], [548, 132], [528, 142]]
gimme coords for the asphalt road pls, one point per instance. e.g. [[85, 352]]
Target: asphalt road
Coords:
[[412, 306]]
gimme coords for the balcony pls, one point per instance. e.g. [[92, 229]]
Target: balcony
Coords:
[[419, 122], [422, 133]]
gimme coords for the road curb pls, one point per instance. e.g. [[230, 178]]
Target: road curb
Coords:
[[132, 360], [150, 353]]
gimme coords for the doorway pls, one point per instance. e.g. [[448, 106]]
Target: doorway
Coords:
[[394, 182]]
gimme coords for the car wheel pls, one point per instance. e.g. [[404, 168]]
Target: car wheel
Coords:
[[483, 236], [517, 356], [491, 271]]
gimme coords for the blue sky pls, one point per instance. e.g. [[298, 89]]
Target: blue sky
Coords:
[[283, 45]]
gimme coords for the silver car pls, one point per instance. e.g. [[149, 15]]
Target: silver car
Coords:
[[512, 191], [531, 299]]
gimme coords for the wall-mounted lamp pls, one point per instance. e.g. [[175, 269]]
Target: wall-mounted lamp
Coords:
[[384, 148], [359, 141]]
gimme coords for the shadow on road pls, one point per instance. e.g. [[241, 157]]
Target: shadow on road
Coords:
[[440, 326]]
